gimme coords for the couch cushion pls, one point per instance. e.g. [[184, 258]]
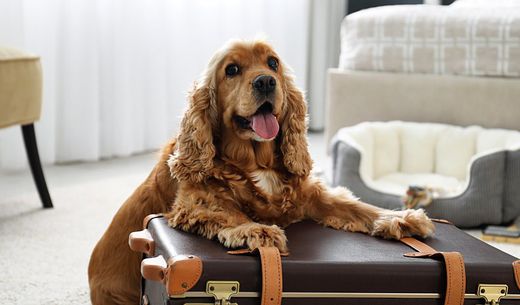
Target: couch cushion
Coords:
[[418, 142], [386, 150], [362, 135], [398, 183], [513, 141], [455, 147], [20, 87], [493, 139]]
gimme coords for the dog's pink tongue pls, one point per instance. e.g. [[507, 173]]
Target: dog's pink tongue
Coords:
[[265, 125]]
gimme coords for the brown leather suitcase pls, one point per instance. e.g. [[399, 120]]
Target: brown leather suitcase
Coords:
[[325, 266]]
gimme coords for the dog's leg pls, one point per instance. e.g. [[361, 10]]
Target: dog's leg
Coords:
[[232, 227], [339, 209]]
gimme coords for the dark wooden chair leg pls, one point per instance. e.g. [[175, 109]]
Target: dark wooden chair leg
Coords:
[[29, 138]]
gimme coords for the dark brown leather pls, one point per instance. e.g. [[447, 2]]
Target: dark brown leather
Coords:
[[142, 241], [182, 274], [455, 272], [328, 260]]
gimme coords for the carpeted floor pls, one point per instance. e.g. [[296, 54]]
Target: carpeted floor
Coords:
[[45, 253]]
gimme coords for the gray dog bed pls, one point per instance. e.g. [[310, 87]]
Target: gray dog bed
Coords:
[[475, 171]]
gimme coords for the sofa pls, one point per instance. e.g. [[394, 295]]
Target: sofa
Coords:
[[475, 170]]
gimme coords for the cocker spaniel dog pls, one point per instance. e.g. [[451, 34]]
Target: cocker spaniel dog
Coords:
[[238, 171]]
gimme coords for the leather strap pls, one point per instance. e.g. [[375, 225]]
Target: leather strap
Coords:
[[455, 271], [441, 221], [516, 270], [271, 275], [272, 285], [417, 245]]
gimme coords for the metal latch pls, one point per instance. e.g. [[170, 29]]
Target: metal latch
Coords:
[[222, 291], [492, 293]]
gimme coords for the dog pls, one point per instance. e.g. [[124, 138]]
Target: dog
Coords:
[[239, 172], [113, 271]]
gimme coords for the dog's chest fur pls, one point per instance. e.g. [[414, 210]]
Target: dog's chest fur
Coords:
[[268, 181]]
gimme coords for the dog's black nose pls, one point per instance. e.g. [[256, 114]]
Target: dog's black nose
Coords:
[[264, 84]]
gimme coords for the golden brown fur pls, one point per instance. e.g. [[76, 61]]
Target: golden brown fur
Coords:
[[229, 184], [243, 191], [113, 271]]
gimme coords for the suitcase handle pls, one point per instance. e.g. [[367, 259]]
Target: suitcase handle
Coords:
[[179, 274], [142, 241], [154, 268]]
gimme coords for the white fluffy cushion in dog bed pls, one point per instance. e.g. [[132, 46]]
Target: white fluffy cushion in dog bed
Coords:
[[395, 155]]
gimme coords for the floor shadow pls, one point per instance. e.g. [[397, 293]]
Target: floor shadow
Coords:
[[17, 212]]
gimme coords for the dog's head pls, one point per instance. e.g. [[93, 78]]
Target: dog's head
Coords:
[[249, 93], [249, 87]]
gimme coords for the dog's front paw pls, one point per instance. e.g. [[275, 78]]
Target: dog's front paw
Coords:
[[254, 235], [399, 224]]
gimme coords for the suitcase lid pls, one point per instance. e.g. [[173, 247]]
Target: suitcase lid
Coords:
[[326, 260]]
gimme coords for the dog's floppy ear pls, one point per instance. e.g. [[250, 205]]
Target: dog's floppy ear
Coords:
[[194, 151], [294, 145]]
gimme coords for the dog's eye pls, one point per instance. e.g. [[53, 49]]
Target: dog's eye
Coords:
[[232, 70], [272, 63]]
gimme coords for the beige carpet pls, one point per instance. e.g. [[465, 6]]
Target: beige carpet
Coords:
[[45, 253]]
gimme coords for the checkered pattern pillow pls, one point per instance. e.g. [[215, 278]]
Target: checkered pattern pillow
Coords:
[[459, 39]]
